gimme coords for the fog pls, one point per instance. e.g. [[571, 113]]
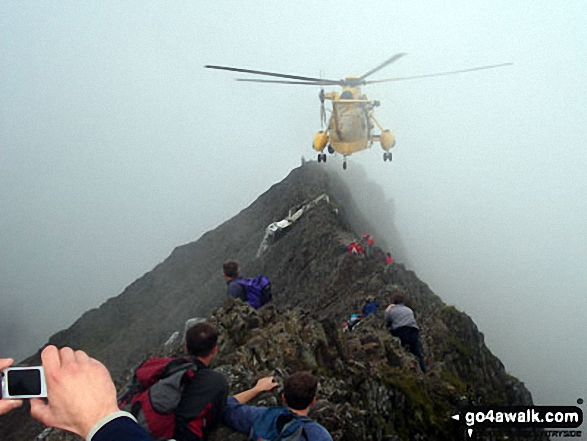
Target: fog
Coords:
[[116, 145]]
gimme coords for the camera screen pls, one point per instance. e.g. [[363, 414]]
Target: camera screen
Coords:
[[24, 382]]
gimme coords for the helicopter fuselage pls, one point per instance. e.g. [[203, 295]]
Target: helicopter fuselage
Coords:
[[350, 128]]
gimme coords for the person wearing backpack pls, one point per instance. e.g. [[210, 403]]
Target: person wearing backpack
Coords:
[[256, 291], [180, 398], [289, 422], [231, 275]]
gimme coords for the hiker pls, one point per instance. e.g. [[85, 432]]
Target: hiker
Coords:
[[353, 321], [81, 398], [370, 306], [299, 396], [231, 275], [197, 394], [355, 249], [400, 321], [388, 259], [369, 242], [256, 291]]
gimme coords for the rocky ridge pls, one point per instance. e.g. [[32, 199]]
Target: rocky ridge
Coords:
[[371, 389]]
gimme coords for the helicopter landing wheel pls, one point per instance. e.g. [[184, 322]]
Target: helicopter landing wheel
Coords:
[[344, 165], [330, 149], [323, 157], [387, 156], [319, 157]]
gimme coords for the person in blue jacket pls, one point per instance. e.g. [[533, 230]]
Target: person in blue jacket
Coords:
[[299, 396], [81, 398]]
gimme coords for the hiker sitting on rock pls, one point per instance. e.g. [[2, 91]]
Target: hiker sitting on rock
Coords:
[[180, 398], [400, 321], [370, 306], [290, 420], [256, 291], [231, 275]]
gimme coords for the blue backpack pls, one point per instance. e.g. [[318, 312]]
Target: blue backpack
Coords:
[[278, 424], [257, 290]]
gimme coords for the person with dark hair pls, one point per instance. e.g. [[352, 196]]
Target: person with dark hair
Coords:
[[179, 398], [231, 274], [388, 259], [204, 397], [400, 321], [201, 339], [298, 397]]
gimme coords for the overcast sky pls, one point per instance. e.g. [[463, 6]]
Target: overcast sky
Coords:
[[116, 145]]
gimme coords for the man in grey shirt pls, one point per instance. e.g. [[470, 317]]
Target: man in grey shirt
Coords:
[[400, 321]]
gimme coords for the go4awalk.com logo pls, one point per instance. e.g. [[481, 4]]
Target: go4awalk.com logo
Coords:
[[521, 419]]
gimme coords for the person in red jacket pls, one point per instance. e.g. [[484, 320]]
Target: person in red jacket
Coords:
[[369, 242], [355, 249], [388, 259]]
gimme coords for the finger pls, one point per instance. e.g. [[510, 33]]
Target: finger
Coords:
[[50, 358], [8, 405], [40, 411], [66, 356], [81, 357], [5, 362]]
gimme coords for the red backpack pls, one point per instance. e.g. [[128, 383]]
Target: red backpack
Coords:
[[155, 393]]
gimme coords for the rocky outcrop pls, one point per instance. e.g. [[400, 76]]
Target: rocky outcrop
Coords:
[[371, 389]]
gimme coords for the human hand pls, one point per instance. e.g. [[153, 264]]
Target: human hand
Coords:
[[390, 307], [265, 384], [80, 391], [7, 405]]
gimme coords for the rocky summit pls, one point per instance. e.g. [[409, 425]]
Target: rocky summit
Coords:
[[296, 234]]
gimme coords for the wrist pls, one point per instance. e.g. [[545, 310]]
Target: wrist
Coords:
[[89, 434]]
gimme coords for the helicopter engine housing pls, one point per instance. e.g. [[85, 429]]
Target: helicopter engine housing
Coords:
[[320, 141], [387, 140]]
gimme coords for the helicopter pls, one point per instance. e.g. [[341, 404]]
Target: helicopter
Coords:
[[351, 127]]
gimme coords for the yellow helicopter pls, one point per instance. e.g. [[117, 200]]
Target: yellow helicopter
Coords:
[[350, 128]]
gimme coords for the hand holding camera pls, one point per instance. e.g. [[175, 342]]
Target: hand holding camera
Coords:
[[6, 405], [68, 372]]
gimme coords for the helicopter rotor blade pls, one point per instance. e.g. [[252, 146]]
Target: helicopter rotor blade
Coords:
[[270, 74], [439, 74], [382, 65], [305, 83]]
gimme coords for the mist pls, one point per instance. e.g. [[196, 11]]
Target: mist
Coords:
[[116, 145]]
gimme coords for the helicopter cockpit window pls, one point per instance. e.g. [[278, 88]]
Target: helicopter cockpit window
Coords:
[[346, 95]]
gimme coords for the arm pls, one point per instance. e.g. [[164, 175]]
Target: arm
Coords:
[[263, 385], [239, 416], [7, 405], [388, 316]]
